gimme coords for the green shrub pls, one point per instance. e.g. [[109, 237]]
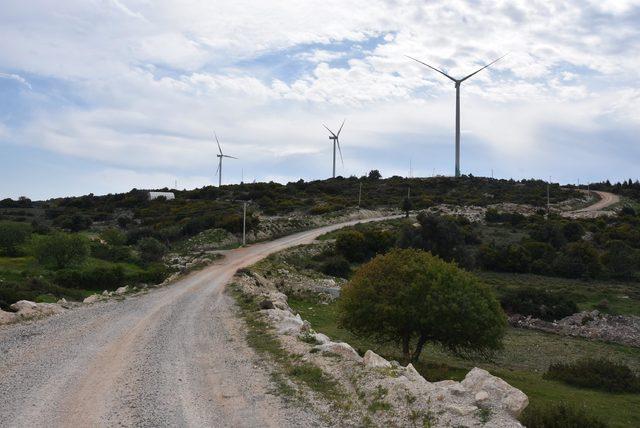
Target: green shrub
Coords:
[[60, 250], [578, 260], [538, 303], [113, 237], [151, 250], [336, 266], [154, 273], [12, 236], [119, 253], [351, 245], [598, 374], [96, 278], [559, 415]]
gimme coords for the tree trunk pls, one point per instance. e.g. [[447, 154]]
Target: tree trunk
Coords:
[[416, 353], [406, 355]]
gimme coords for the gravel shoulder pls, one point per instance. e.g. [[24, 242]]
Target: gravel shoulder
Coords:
[[173, 356]]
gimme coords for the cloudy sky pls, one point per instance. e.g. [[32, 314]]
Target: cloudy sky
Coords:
[[106, 95]]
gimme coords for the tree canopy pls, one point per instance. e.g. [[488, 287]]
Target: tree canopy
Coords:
[[411, 297]]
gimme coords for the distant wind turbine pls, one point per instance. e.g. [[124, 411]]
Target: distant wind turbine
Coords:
[[336, 142], [220, 156], [457, 83]]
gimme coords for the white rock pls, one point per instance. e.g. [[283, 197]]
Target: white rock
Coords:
[[462, 409], [121, 290], [7, 317], [92, 299], [105, 293], [500, 393], [23, 305], [343, 349], [321, 338], [371, 359], [284, 321]]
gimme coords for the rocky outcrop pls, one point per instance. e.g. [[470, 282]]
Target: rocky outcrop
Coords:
[[481, 399], [622, 329]]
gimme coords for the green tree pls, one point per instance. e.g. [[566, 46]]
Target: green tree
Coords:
[[374, 174], [150, 249], [411, 297], [12, 236], [60, 250]]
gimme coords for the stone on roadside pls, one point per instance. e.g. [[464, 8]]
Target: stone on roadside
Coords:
[[266, 304], [122, 290], [7, 317], [373, 360], [284, 321], [92, 299], [343, 349]]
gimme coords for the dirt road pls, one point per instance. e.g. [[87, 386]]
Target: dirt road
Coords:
[[173, 357], [606, 200]]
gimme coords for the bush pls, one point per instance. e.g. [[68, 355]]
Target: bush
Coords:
[[560, 415], [351, 245], [538, 303], [30, 289], [96, 278], [578, 260], [598, 374], [12, 236], [573, 231], [110, 253], [336, 266], [151, 250], [60, 250], [409, 295], [113, 237]]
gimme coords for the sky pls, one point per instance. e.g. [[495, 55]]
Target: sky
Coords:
[[102, 96]]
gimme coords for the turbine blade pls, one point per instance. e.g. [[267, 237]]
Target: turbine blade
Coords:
[[478, 71], [227, 156], [330, 131], [433, 68], [217, 141], [340, 151], [338, 134], [218, 169]]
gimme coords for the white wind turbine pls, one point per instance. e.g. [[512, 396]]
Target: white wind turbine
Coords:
[[220, 156], [336, 142], [457, 83]]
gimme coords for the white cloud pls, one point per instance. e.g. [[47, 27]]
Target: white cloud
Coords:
[[17, 78]]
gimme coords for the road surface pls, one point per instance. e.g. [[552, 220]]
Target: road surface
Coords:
[[173, 357], [606, 200]]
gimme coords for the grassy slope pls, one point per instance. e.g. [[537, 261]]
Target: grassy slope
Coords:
[[524, 359], [623, 297]]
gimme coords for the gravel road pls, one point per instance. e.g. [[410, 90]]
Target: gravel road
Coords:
[[175, 356], [606, 200]]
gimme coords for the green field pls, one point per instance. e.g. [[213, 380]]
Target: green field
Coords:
[[525, 358], [622, 297]]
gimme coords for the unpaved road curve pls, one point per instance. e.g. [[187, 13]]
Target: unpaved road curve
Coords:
[[606, 200], [173, 357]]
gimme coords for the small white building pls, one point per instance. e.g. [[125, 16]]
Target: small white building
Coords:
[[167, 195]]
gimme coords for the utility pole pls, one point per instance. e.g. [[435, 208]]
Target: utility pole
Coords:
[[548, 204], [492, 173], [244, 224], [408, 192], [360, 195]]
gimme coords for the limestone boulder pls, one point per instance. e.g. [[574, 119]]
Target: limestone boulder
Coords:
[[373, 360], [495, 392], [341, 348]]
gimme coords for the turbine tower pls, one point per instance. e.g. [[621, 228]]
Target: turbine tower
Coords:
[[220, 156], [457, 83], [336, 142]]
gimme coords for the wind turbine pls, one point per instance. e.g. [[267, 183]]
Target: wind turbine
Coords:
[[220, 156], [457, 83], [336, 142]]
